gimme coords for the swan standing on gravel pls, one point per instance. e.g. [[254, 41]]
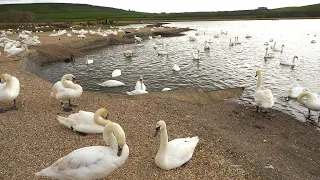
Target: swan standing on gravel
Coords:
[[175, 153], [140, 85], [112, 83], [289, 63], [93, 162], [9, 90], [268, 55], [294, 92], [14, 51], [66, 89], [116, 73], [312, 102], [263, 98], [85, 122]]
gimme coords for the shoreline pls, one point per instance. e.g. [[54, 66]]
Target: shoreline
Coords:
[[235, 141]]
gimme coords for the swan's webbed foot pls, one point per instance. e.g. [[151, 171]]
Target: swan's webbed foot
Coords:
[[13, 108], [67, 109], [81, 133], [185, 164]]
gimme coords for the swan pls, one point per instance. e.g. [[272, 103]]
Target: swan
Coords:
[[14, 51], [86, 122], [266, 44], [116, 73], [313, 41], [128, 53], [271, 40], [236, 41], [196, 55], [231, 43], [312, 102], [268, 55], [166, 89], [278, 50], [294, 92], [176, 67], [93, 162], [206, 46], [248, 36], [112, 83], [89, 61], [137, 92], [175, 153], [138, 44], [9, 90], [263, 98], [289, 63], [66, 89], [140, 85]]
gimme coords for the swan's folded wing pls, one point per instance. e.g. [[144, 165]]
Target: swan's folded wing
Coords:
[[2, 85], [181, 150]]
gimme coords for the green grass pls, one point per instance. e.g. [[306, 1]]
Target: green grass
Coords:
[[81, 12]]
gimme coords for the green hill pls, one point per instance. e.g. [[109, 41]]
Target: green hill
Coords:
[[80, 12]]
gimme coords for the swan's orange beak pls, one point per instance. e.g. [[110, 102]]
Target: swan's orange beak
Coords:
[[74, 80]]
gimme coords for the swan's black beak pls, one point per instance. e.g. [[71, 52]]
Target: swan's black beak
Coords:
[[107, 116], [119, 151], [255, 75], [157, 131]]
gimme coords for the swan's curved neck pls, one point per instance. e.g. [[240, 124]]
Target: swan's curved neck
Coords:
[[259, 84], [163, 141], [293, 60], [99, 120], [110, 139], [8, 82], [302, 95], [68, 85]]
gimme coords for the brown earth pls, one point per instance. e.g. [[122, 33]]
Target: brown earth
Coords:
[[235, 141]]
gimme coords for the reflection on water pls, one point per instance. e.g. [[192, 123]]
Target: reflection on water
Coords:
[[221, 67]]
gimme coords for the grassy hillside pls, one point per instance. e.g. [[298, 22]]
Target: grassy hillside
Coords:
[[80, 12]]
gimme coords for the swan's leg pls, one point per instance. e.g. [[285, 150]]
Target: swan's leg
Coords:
[[309, 116], [14, 107], [65, 109], [81, 133], [257, 108], [72, 105]]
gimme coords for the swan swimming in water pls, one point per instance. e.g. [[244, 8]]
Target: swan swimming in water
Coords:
[[85, 122], [112, 83], [176, 67], [66, 89], [268, 55], [196, 55], [174, 153], [116, 73], [294, 92], [9, 90], [263, 98], [312, 102], [93, 162], [289, 63]]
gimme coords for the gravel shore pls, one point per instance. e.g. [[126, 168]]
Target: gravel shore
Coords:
[[235, 141]]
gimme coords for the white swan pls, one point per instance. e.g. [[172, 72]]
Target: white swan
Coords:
[[138, 44], [116, 73], [13, 51], [271, 40], [312, 102], [66, 89], [93, 162], [86, 122], [268, 55], [137, 92], [176, 67], [206, 46], [278, 50], [112, 83], [9, 90], [294, 92], [175, 153], [286, 62], [140, 85], [196, 55], [248, 36], [313, 41], [128, 53], [166, 89], [263, 98], [89, 61], [266, 43]]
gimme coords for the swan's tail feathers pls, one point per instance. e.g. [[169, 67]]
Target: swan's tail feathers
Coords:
[[65, 121]]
